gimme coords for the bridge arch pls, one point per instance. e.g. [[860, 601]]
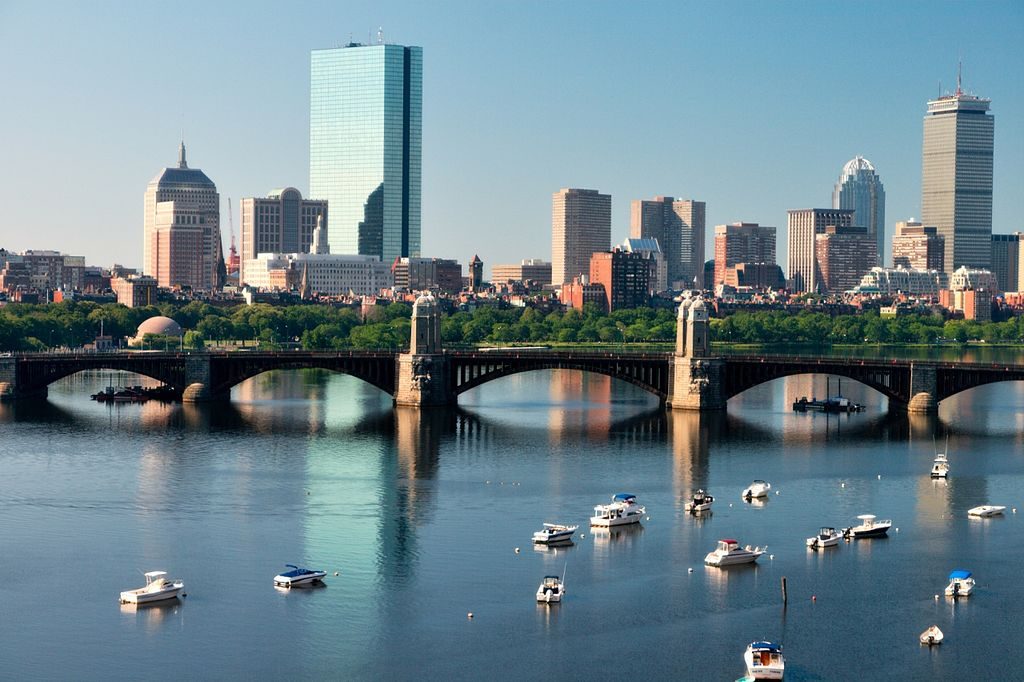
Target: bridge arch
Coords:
[[468, 373], [36, 376], [226, 384], [229, 370], [891, 381]]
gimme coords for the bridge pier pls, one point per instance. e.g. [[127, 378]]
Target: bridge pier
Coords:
[[924, 387], [10, 388], [695, 380], [422, 377], [198, 381]]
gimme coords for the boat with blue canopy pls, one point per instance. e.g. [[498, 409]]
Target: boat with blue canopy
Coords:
[[961, 584], [298, 576], [622, 510]]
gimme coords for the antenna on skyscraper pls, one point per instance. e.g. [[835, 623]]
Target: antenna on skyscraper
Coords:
[[380, 35], [959, 73]]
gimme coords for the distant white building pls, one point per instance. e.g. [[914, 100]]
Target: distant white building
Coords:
[[323, 272], [964, 278], [903, 280]]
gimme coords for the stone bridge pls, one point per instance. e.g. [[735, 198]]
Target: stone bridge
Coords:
[[688, 378]]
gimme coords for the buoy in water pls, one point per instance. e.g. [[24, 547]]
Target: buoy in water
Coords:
[[771, 557], [469, 615], [517, 550], [689, 570], [879, 477], [936, 597], [648, 518], [814, 598], [842, 485], [336, 573]]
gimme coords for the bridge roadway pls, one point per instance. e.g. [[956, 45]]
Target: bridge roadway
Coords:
[[214, 373]]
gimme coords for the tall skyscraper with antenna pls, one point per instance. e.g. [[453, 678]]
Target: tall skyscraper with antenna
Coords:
[[956, 176], [365, 131]]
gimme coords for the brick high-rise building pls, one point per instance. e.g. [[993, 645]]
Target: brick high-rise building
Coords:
[[742, 243], [181, 228], [917, 246], [678, 225], [804, 225], [844, 255], [581, 223], [625, 276]]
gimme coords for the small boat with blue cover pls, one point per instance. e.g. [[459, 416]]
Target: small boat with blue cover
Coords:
[[622, 510], [961, 584], [764, 661], [298, 576]]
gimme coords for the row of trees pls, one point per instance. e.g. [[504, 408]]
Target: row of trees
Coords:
[[72, 324]]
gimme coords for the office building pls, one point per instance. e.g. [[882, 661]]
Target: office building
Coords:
[[134, 291], [181, 230], [964, 278], [317, 270], [41, 270], [760, 276], [956, 177], [804, 225], [427, 274], [859, 188], [581, 291], [283, 222], [742, 243], [1006, 258], [649, 248], [365, 132], [581, 224], [624, 276], [917, 246], [678, 225], [529, 270], [844, 254]]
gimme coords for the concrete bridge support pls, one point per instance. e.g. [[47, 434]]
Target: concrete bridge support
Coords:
[[422, 377], [9, 384], [924, 387], [696, 381], [198, 381]]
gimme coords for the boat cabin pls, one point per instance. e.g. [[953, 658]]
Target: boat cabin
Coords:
[[727, 545], [551, 582]]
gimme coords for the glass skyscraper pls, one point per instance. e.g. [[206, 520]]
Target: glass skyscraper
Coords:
[[860, 188], [365, 140], [956, 177]]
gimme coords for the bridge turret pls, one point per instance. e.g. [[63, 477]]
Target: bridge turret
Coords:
[[681, 323], [423, 379], [697, 323], [426, 326]]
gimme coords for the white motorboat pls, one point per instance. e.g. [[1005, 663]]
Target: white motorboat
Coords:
[[764, 661], [932, 636], [986, 510], [940, 467], [729, 553], [757, 489], [826, 537], [622, 510], [961, 584], [868, 528], [554, 533], [158, 587], [551, 589], [700, 502], [298, 576]]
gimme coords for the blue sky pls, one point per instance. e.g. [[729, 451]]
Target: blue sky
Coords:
[[751, 107]]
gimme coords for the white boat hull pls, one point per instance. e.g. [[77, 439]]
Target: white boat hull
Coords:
[[932, 636], [697, 508], [985, 511], [289, 581], [549, 597], [818, 543], [732, 559], [624, 520], [960, 588], [774, 671], [144, 596]]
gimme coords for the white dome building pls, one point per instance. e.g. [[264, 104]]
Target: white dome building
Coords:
[[160, 325]]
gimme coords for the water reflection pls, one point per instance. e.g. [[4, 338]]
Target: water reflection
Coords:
[[154, 617]]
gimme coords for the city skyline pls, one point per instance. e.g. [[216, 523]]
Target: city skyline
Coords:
[[495, 118]]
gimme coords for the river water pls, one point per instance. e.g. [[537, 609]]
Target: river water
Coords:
[[421, 517]]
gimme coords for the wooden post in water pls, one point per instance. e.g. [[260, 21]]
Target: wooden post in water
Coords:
[[785, 597]]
